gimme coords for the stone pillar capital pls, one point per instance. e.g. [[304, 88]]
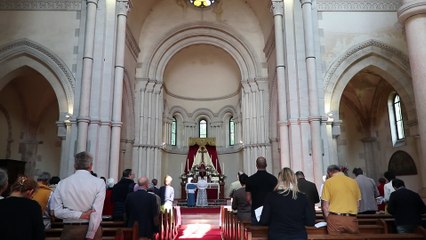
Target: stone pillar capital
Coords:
[[123, 7], [92, 1], [303, 2], [277, 7], [411, 8]]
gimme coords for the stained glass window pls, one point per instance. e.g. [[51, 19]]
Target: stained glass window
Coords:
[[173, 132], [231, 132], [397, 112], [203, 128]]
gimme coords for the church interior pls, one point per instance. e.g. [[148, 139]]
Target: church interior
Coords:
[[164, 87]]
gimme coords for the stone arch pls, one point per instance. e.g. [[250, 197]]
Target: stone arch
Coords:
[[392, 63], [180, 112], [202, 33], [25, 52], [226, 112], [203, 113]]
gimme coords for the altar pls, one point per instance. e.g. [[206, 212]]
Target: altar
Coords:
[[214, 191], [202, 158]]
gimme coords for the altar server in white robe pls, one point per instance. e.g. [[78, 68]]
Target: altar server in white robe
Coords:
[[202, 191]]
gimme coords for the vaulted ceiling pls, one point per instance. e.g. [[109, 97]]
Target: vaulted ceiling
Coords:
[[140, 9]]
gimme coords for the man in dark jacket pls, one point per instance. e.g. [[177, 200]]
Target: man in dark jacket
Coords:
[[406, 206], [119, 194], [141, 207], [308, 188], [258, 186]]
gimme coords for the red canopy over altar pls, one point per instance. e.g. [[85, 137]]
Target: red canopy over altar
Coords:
[[197, 149]]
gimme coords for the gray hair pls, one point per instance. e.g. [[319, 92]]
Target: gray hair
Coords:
[[83, 161], [44, 176]]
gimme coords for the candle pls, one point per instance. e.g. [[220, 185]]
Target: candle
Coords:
[[223, 168]]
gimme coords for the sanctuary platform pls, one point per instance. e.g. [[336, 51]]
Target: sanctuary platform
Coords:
[[213, 203]]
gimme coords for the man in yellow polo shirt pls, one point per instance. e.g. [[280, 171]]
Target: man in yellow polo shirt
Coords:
[[340, 199]]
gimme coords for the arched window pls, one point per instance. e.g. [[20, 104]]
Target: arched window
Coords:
[[202, 128], [396, 120], [231, 131], [173, 132], [399, 124]]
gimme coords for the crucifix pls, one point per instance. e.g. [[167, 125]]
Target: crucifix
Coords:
[[202, 151]]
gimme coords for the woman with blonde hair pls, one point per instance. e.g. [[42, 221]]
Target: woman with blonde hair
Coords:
[[21, 216], [167, 194], [286, 210]]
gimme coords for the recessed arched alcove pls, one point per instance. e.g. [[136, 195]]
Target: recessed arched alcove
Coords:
[[401, 163], [201, 76]]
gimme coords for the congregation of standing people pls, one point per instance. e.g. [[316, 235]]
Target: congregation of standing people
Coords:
[[285, 203], [80, 202]]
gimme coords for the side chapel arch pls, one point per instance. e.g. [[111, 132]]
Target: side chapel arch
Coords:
[[25, 52], [394, 68]]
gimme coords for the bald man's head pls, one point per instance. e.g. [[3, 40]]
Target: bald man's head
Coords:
[[261, 163], [143, 182]]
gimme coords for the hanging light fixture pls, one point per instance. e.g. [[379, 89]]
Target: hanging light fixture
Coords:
[[202, 3]]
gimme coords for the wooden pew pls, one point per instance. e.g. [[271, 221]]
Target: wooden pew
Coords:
[[103, 224], [371, 225], [127, 233], [261, 233], [169, 224], [385, 236], [109, 230]]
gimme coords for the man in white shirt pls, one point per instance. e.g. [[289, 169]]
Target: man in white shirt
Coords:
[[79, 200], [388, 188], [235, 185]]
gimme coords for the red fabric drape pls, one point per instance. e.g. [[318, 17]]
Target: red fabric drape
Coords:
[[213, 156], [192, 151]]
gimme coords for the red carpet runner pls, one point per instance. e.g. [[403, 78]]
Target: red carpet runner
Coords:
[[195, 210], [197, 230]]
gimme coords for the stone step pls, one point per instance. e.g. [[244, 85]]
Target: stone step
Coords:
[[211, 202], [212, 219]]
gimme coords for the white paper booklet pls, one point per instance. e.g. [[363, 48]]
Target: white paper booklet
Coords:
[[258, 212], [320, 224]]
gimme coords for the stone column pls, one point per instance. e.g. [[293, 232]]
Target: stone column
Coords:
[[413, 15], [86, 77], [333, 132], [314, 116], [122, 9], [370, 161], [278, 11]]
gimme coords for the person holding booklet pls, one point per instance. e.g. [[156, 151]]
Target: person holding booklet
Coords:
[[286, 210], [258, 186]]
